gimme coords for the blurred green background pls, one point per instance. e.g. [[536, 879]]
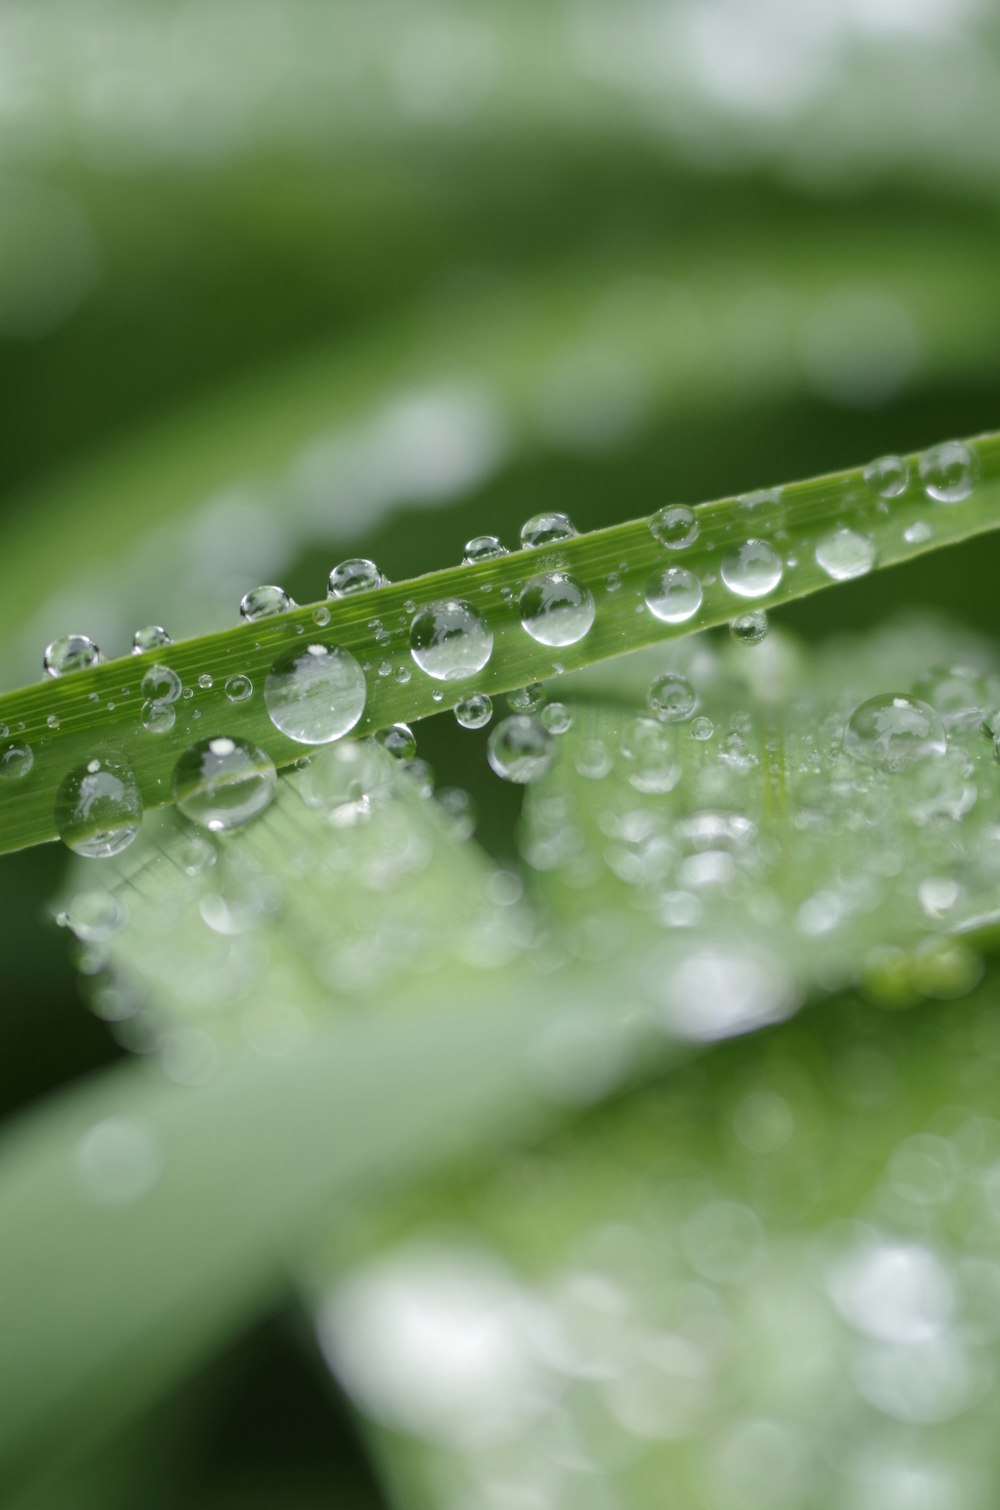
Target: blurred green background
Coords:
[[283, 283]]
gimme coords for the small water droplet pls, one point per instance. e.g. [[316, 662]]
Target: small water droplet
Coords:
[[315, 693], [527, 699], [356, 575], [398, 740], [702, 728], [205, 681], [475, 711], [264, 602], [891, 732], [238, 688], [344, 780], [150, 638], [161, 684], [673, 596], [671, 697], [753, 570], [98, 808], [450, 640], [556, 717], [917, 533], [158, 718], [546, 529], [676, 527], [222, 783], [321, 616], [556, 609], [843, 554], [53, 721], [95, 916], [483, 548], [948, 472], [888, 476], [520, 749], [749, 628], [74, 652], [16, 762]]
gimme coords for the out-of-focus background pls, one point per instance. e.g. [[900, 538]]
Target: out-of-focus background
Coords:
[[281, 283]]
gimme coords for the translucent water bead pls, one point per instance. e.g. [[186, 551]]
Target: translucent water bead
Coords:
[[398, 740], [749, 628], [948, 472], [150, 638], [482, 548], [450, 640], [752, 570], [844, 553], [888, 476], [556, 609], [222, 783], [546, 529], [671, 697], [74, 652], [673, 596], [520, 749], [891, 732], [98, 808], [675, 527], [475, 711], [315, 693], [355, 575], [264, 603], [16, 761]]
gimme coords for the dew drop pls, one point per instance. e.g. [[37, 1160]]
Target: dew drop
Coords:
[[917, 533], [16, 761], [673, 596], [355, 575], [158, 718], [264, 602], [74, 652], [753, 570], [98, 808], [671, 697], [315, 693], [556, 717], [161, 684], [675, 527], [527, 699], [888, 476], [702, 728], [222, 783], [450, 641], [344, 780], [749, 628], [483, 548], [948, 472], [844, 553], [321, 616], [238, 688], [892, 732], [53, 722], [205, 681], [398, 740], [150, 638], [520, 749], [546, 529], [556, 609], [475, 711]]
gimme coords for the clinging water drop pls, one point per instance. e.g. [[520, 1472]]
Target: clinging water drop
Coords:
[[891, 732], [16, 761], [356, 575], [222, 783], [948, 472], [450, 640], [520, 749], [98, 809], [676, 527], [546, 529], [264, 603], [315, 693], [474, 711], [844, 554], [150, 638], [749, 628], [888, 476], [483, 548], [74, 652], [556, 609], [671, 697], [752, 570], [673, 596]]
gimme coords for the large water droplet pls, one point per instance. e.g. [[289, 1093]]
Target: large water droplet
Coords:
[[753, 570], [844, 553], [264, 602], [238, 688], [674, 595], [675, 527], [891, 732], [556, 609], [222, 783], [475, 711], [355, 575], [546, 529], [16, 761], [157, 718], [150, 638], [749, 628], [315, 693], [483, 548], [161, 684], [887, 476], [520, 749], [98, 808], [671, 697], [450, 641], [74, 652], [948, 472]]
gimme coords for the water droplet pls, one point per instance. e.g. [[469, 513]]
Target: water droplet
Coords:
[[450, 641], [675, 527], [74, 652], [53, 722], [16, 761], [556, 609], [398, 740], [673, 596], [98, 808], [315, 693], [520, 749], [546, 529], [483, 548], [321, 616], [888, 476], [844, 553], [891, 732], [95, 916], [157, 718], [527, 699], [238, 688], [118, 1160], [917, 533], [948, 472], [355, 575], [749, 628], [205, 681], [557, 718], [150, 638], [264, 602], [344, 780], [702, 728], [753, 570], [671, 697], [161, 684], [474, 712], [222, 783]]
